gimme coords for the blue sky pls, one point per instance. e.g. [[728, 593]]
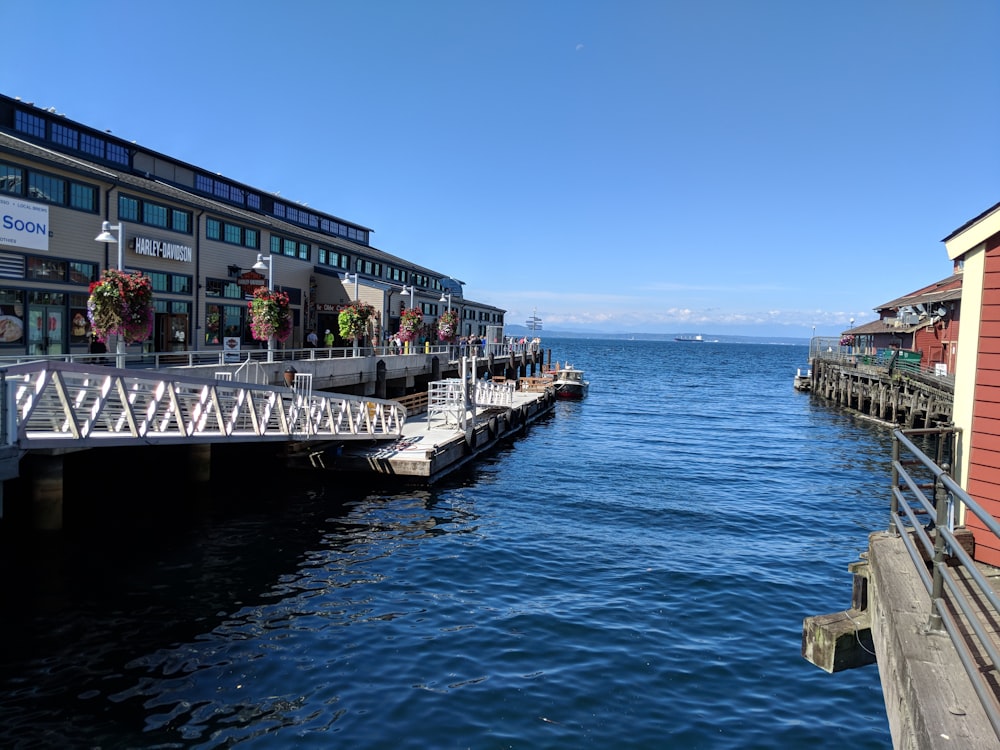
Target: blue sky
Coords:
[[754, 167]]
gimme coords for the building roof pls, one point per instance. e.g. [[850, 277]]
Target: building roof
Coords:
[[946, 290], [885, 325]]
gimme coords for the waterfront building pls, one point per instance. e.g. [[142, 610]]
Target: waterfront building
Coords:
[[924, 322], [195, 233], [976, 246]]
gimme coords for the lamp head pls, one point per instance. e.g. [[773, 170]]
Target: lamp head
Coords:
[[260, 265], [105, 235]]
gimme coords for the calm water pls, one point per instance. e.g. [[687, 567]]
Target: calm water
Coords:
[[632, 574]]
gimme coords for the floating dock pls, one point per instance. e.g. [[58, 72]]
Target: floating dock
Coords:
[[435, 442]]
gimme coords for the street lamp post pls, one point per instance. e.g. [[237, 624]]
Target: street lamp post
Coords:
[[446, 297], [260, 266], [349, 280], [357, 298], [408, 290], [106, 236]]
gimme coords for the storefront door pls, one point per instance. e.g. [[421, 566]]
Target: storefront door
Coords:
[[46, 329]]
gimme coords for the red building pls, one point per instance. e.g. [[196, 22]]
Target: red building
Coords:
[[976, 246], [925, 321]]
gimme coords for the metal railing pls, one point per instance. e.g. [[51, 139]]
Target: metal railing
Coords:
[[875, 363], [59, 405], [191, 358], [952, 568]]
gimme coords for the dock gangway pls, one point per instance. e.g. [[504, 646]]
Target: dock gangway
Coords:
[[52, 405]]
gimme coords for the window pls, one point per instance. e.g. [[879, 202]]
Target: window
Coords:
[[333, 258], [223, 288], [30, 124], [11, 179], [83, 197], [92, 145], [289, 247], [180, 220], [81, 272], [173, 283], [46, 269], [128, 208], [153, 214], [65, 136], [47, 188], [234, 234], [44, 188], [222, 321], [117, 154]]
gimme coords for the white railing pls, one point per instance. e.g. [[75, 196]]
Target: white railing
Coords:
[[489, 393], [59, 405]]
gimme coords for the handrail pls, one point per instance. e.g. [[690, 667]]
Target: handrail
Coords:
[[950, 560], [874, 363], [192, 357], [57, 405]]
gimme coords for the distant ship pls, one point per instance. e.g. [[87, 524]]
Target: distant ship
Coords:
[[692, 339]]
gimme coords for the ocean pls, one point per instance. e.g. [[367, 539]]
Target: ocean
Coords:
[[632, 573]]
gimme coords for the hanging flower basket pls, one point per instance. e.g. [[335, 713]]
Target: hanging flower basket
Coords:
[[410, 323], [121, 304], [356, 320], [447, 325], [270, 315], [847, 340]]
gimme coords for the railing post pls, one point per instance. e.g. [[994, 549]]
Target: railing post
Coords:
[[893, 502], [934, 622]]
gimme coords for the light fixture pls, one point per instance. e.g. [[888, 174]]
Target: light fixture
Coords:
[[106, 236], [352, 278], [408, 290], [260, 265], [446, 297]]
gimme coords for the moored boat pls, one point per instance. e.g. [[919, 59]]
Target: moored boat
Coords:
[[568, 382], [803, 378]]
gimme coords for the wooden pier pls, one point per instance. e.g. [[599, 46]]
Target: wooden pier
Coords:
[[433, 445], [908, 399]]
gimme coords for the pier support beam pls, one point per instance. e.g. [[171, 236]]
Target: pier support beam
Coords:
[[200, 462], [47, 492]]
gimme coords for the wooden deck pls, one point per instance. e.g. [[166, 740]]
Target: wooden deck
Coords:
[[930, 700], [431, 446]]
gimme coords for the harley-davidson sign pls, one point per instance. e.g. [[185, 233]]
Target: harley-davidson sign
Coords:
[[251, 278]]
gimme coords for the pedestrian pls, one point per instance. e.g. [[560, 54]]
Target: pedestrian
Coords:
[[328, 339], [312, 340]]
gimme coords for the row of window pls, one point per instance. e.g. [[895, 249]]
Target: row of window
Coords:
[[153, 214], [65, 135], [47, 188], [30, 183], [234, 234], [69, 137]]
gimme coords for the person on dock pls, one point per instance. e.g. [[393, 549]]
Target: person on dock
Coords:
[[328, 339], [312, 340]]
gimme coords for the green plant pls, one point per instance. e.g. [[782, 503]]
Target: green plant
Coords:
[[410, 323], [270, 315], [447, 325], [121, 304], [355, 320]]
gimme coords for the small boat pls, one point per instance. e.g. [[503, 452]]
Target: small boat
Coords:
[[803, 378], [568, 382], [696, 339]]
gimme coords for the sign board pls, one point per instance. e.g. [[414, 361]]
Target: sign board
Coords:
[[250, 279], [230, 349], [24, 224]]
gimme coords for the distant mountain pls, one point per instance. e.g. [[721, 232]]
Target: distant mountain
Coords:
[[518, 331]]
